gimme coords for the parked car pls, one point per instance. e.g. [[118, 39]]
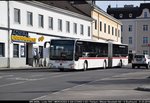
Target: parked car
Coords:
[[141, 60]]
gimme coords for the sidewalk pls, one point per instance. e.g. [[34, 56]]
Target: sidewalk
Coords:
[[144, 87], [23, 68]]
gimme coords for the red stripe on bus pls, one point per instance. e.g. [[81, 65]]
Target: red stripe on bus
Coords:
[[94, 58], [102, 58]]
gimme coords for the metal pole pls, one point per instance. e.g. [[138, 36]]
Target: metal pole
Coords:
[[8, 10]]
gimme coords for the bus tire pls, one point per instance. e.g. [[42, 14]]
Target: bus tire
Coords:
[[104, 65], [85, 66]]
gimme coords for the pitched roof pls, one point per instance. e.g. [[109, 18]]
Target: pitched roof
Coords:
[[63, 4], [128, 9]]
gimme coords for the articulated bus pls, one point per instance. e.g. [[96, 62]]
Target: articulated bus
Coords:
[[83, 54]]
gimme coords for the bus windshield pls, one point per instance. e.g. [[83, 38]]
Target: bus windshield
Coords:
[[61, 49]]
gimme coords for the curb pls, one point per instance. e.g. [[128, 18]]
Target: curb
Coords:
[[22, 68]]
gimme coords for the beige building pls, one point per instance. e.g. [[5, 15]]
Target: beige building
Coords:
[[136, 26], [105, 26]]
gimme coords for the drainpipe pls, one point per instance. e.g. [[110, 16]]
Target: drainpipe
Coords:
[[8, 11]]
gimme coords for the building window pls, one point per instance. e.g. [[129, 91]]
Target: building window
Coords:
[[118, 33], [130, 15], [104, 27], [50, 20], [95, 24], [81, 29], [115, 32], [29, 18], [17, 16], [41, 51], [145, 40], [145, 27], [145, 52], [68, 26], [89, 31], [59, 24], [16, 50], [108, 29], [121, 15], [145, 14], [100, 26], [2, 49], [75, 28], [112, 30], [22, 51], [130, 28], [41, 21], [130, 40]]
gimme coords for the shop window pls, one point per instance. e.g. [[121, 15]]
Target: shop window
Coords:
[[16, 50], [22, 51], [2, 49]]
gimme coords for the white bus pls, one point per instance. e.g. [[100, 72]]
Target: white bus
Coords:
[[83, 54]]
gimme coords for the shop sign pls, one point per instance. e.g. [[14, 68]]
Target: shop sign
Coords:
[[21, 36], [20, 33], [41, 38]]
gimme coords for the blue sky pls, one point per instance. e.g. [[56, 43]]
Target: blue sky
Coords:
[[104, 4]]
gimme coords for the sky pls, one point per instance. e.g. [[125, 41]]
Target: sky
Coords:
[[103, 4]]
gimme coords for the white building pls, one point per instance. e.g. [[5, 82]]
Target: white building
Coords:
[[136, 26], [27, 25]]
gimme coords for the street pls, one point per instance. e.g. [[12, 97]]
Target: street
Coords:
[[97, 84]]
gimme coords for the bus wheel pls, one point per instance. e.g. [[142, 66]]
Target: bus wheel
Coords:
[[85, 66], [104, 65]]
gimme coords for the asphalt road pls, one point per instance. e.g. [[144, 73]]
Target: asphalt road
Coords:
[[45, 84]]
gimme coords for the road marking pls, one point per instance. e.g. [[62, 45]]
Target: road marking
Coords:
[[12, 84], [26, 79], [39, 98], [6, 76]]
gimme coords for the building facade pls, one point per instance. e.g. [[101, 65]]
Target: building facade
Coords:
[[136, 26], [105, 27], [26, 25]]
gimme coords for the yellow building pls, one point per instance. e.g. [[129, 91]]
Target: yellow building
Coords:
[[104, 26]]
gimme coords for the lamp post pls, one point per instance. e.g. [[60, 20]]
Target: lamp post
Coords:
[[8, 19]]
